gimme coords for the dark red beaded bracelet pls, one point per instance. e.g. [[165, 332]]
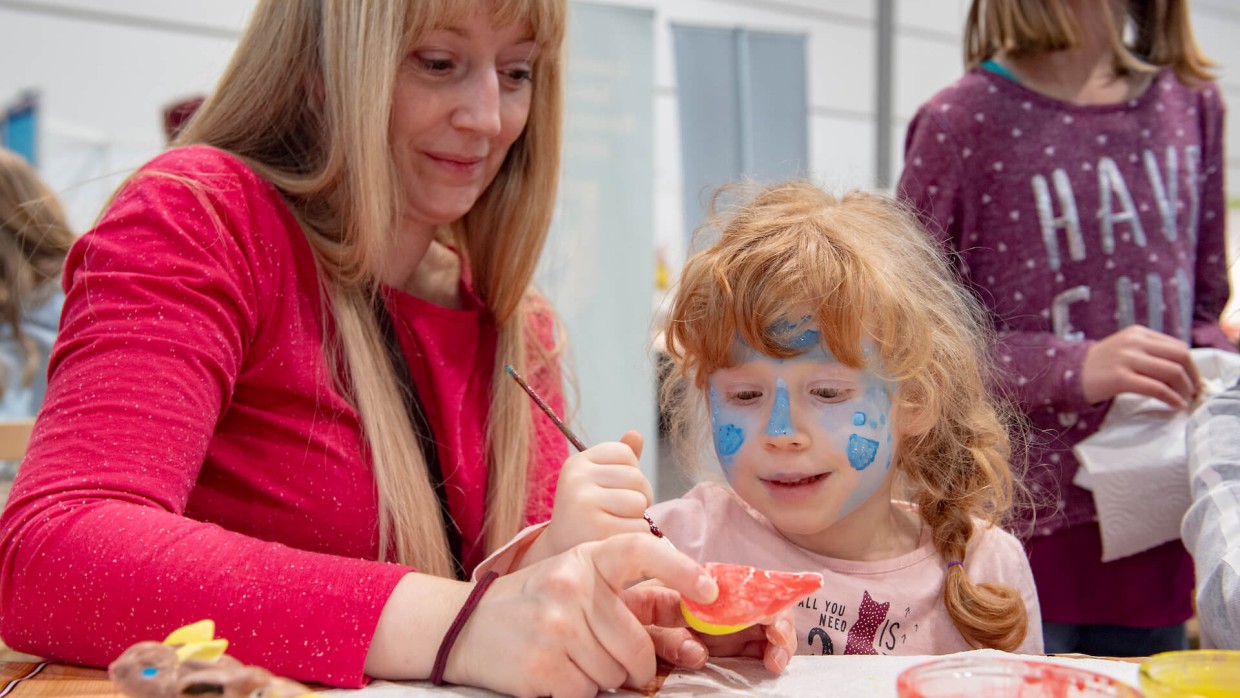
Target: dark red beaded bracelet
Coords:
[[462, 616]]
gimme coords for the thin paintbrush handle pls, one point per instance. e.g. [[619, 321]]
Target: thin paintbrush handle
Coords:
[[571, 436], [576, 442]]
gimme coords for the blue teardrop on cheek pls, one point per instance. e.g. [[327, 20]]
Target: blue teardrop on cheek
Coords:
[[861, 451], [858, 419], [149, 671]]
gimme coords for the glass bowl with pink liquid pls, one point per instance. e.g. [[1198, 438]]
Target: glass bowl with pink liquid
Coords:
[[1006, 677]]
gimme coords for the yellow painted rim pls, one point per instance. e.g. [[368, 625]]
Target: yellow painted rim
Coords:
[[709, 628]]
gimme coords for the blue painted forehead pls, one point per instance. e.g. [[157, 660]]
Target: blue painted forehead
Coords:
[[800, 334]]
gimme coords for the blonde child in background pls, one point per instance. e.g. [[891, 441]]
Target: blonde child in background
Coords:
[[1077, 170], [824, 348], [34, 239]]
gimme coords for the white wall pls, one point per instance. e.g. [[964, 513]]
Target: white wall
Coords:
[[105, 69]]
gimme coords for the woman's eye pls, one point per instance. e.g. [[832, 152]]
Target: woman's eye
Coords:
[[434, 64], [523, 74]]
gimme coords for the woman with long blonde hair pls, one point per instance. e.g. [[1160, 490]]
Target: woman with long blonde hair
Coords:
[[278, 399]]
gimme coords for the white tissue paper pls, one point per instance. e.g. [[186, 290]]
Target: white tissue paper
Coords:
[[1136, 464]]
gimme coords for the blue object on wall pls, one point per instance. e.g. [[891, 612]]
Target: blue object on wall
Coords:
[[19, 132]]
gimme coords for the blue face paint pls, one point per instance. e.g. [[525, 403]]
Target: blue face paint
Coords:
[[780, 423], [839, 416], [873, 443], [807, 339], [148, 672], [728, 437], [861, 451]]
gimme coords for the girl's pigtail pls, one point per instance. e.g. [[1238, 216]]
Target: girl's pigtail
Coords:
[[988, 614]]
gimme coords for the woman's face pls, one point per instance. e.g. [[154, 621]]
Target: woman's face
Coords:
[[806, 441], [462, 98]]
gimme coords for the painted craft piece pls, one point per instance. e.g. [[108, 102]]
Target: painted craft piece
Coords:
[[191, 662], [746, 596]]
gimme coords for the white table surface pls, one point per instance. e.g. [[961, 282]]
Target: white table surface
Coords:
[[848, 675]]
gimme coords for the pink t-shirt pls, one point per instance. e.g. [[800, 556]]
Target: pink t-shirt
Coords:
[[890, 606]]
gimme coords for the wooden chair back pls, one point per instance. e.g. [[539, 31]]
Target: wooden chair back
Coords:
[[14, 435]]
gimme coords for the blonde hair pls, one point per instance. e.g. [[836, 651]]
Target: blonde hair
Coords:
[[862, 267], [1162, 34], [306, 102], [34, 239]]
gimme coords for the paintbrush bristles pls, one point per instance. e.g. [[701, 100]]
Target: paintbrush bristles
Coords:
[[546, 408]]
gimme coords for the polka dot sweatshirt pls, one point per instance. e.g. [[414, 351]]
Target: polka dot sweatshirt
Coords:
[[194, 457], [1073, 222]]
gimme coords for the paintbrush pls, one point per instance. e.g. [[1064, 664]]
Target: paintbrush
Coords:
[[568, 433]]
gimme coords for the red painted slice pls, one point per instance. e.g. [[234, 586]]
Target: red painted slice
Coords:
[[748, 594]]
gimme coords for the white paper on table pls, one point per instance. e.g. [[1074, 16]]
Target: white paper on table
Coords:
[[405, 689], [425, 689], [1136, 464], [856, 676]]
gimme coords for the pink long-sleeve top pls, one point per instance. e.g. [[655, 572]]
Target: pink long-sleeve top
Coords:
[[194, 457]]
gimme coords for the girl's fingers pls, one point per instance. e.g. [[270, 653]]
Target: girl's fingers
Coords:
[[625, 504], [611, 452], [776, 658], [1143, 384], [781, 644], [1169, 371], [1178, 370], [633, 439], [621, 477], [678, 646]]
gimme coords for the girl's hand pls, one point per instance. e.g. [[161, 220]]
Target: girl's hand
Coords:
[[568, 627], [601, 493], [1140, 360], [773, 640]]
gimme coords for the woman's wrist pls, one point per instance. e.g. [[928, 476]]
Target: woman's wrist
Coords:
[[411, 626], [458, 624]]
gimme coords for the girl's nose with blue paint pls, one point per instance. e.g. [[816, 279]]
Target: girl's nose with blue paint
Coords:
[[780, 423]]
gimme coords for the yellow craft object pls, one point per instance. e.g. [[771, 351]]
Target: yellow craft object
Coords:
[[709, 628], [203, 651], [197, 641], [202, 631]]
